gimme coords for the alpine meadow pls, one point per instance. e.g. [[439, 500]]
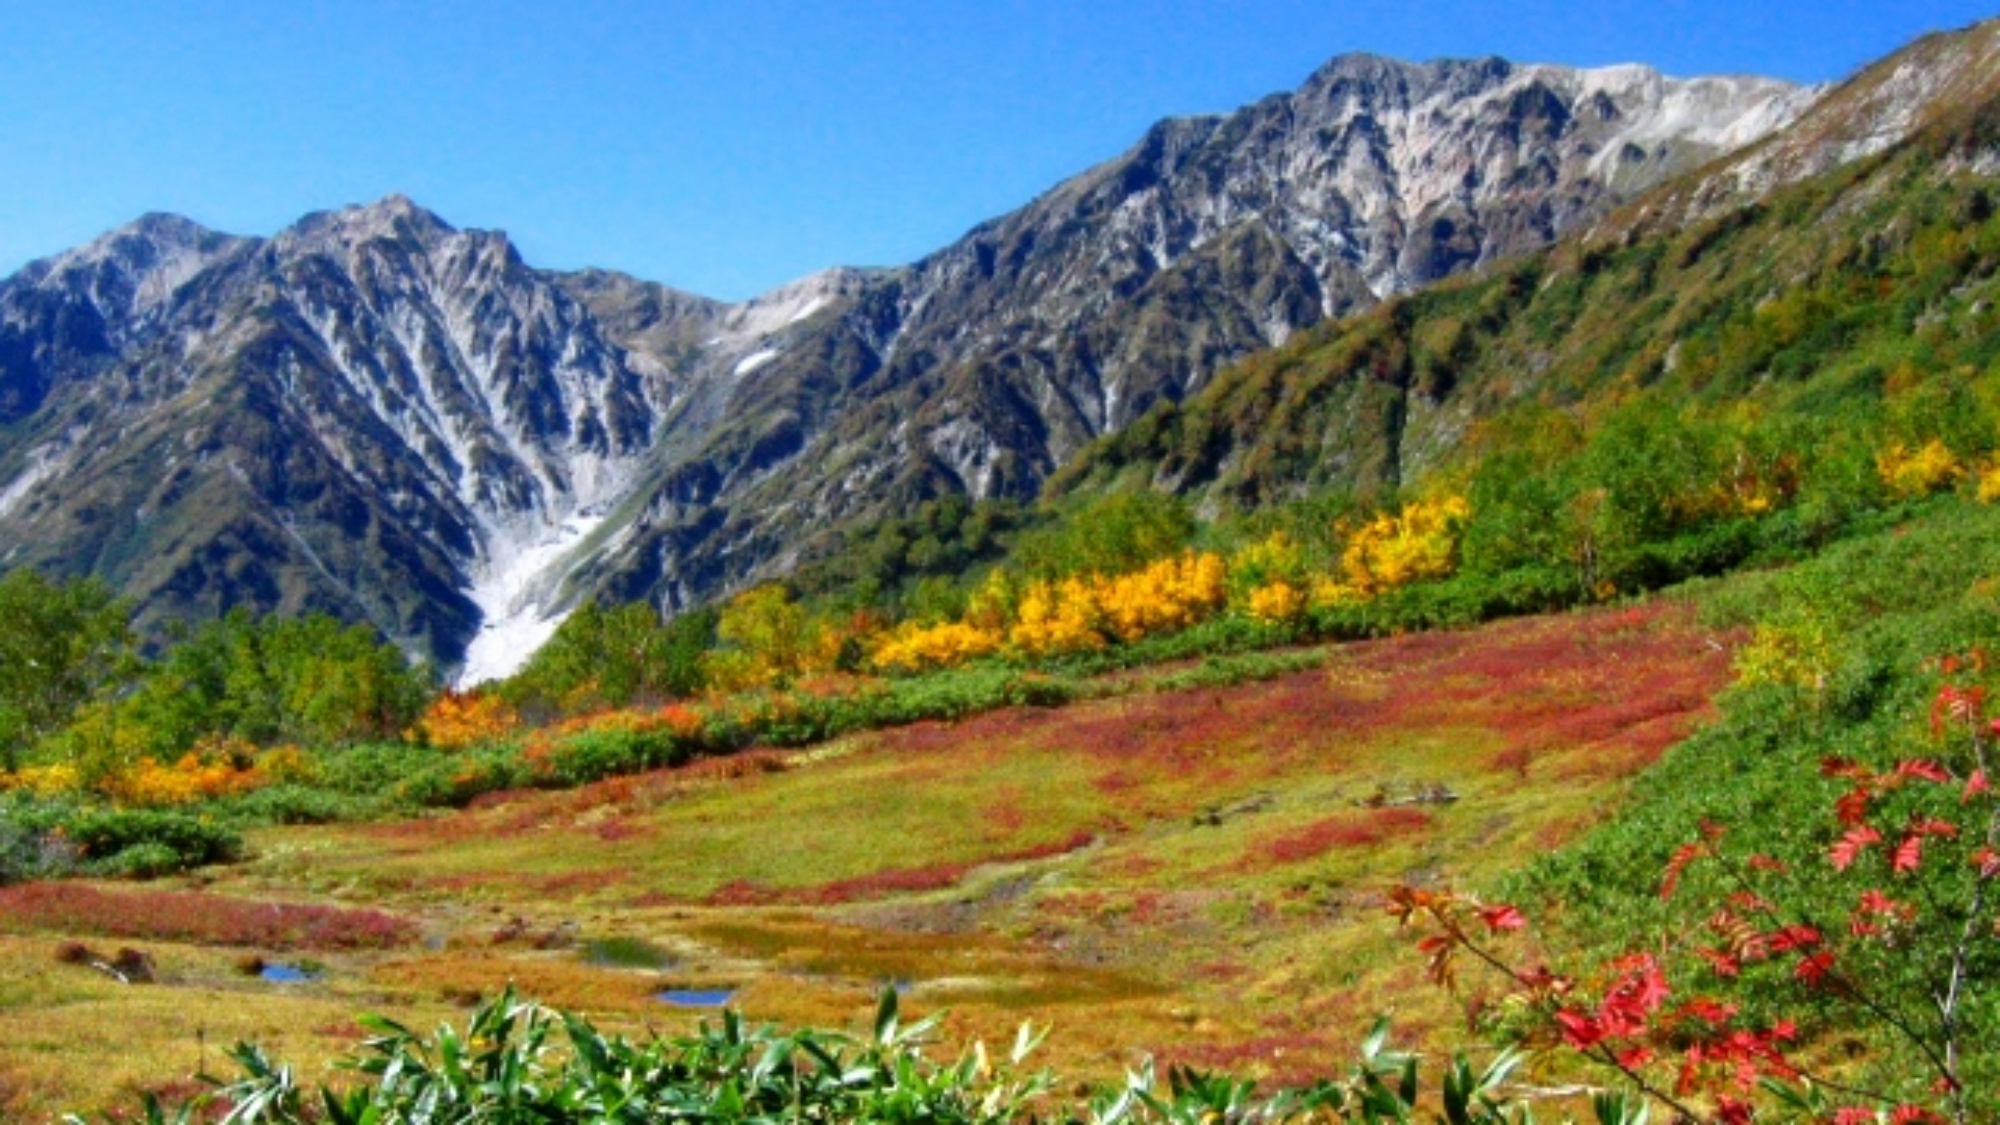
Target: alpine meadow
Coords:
[[1462, 592]]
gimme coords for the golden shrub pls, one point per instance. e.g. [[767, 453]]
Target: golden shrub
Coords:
[[1989, 483], [1165, 597], [42, 781], [1910, 473], [1393, 550], [915, 647], [1277, 602], [1056, 618], [192, 778]]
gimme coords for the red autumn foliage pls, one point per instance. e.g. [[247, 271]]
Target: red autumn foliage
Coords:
[[1694, 1056], [1595, 695], [196, 917], [1362, 829]]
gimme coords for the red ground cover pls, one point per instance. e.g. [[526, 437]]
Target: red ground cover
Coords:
[[196, 917], [1347, 830], [1609, 691]]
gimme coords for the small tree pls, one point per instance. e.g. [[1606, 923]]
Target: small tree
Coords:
[[60, 646]]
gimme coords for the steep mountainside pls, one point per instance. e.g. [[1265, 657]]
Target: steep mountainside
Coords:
[[1862, 298], [378, 415], [1876, 110], [370, 414], [985, 366]]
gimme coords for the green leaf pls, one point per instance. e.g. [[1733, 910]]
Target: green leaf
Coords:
[[1377, 1036], [885, 1016]]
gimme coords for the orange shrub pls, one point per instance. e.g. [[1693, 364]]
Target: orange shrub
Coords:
[[683, 720], [193, 778], [458, 719]]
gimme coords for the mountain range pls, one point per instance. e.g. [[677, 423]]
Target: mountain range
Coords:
[[377, 415]]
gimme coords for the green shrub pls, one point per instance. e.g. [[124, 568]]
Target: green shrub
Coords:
[[142, 861], [194, 841]]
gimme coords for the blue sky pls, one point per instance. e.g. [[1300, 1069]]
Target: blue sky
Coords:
[[728, 147]]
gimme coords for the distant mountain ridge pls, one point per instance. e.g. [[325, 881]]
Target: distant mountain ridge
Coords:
[[378, 415]]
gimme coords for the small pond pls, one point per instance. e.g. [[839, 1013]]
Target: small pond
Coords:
[[279, 972], [695, 997]]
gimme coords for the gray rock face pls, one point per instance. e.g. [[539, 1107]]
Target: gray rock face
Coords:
[[378, 415], [984, 366], [371, 413]]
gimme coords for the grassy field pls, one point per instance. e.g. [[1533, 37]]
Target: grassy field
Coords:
[[1194, 873]]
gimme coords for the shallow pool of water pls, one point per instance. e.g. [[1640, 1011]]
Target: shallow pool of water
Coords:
[[695, 997], [278, 972]]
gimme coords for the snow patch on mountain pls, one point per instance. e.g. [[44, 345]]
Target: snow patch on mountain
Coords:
[[516, 596], [753, 361]]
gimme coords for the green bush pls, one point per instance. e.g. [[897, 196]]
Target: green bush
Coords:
[[142, 861], [193, 841]]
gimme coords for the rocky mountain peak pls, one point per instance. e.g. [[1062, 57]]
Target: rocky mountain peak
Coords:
[[393, 218], [127, 271], [1885, 104]]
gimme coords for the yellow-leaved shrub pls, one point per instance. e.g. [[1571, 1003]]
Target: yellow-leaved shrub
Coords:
[[1166, 597], [42, 781], [1989, 483], [1909, 473], [1057, 617], [1276, 602], [915, 647], [1395, 549]]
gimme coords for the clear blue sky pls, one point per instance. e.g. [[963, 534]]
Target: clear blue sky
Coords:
[[725, 147]]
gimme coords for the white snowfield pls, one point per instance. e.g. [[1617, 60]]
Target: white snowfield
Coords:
[[517, 598]]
